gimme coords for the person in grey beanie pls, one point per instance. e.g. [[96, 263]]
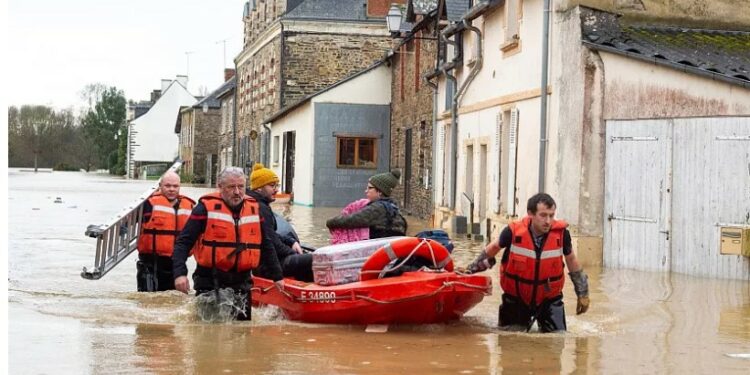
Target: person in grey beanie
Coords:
[[382, 215]]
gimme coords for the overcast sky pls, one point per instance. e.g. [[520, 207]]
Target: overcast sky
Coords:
[[56, 47]]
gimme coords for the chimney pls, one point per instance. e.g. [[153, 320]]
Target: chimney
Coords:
[[165, 84], [183, 80], [379, 8], [155, 95], [228, 74]]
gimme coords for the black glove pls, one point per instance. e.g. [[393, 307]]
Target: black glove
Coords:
[[581, 286], [482, 263]]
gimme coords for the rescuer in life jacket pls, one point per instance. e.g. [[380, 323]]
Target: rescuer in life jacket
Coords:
[[230, 239], [164, 215], [531, 272]]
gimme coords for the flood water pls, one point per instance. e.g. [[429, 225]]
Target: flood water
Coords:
[[639, 322]]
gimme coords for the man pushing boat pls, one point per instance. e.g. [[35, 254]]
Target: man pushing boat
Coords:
[[531, 272]]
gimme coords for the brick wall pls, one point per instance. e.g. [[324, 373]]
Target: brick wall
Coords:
[[412, 109], [379, 8]]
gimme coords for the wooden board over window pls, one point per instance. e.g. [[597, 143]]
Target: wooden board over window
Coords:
[[356, 152]]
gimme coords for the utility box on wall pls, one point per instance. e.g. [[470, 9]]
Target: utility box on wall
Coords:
[[735, 241]]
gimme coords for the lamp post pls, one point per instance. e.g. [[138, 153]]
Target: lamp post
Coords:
[[37, 135], [393, 20]]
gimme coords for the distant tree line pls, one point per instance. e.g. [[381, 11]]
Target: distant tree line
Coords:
[[95, 139]]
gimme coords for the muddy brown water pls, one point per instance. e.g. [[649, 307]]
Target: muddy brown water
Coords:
[[639, 322]]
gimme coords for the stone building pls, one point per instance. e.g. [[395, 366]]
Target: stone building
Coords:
[[226, 132], [199, 127], [412, 107], [293, 48]]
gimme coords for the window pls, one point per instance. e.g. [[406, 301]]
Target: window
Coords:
[[512, 27], [356, 152]]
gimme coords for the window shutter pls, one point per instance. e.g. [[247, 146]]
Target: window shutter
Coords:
[[512, 154]]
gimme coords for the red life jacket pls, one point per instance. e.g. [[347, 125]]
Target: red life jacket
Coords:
[[229, 243], [534, 277], [160, 232]]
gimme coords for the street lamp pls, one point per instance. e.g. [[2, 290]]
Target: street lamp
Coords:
[[393, 19]]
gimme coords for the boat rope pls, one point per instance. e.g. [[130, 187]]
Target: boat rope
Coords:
[[386, 269], [353, 296]]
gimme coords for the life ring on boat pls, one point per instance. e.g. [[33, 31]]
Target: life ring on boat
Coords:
[[425, 248]]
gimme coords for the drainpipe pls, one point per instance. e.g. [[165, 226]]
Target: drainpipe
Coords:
[[427, 79], [477, 64], [450, 30], [543, 115], [472, 14]]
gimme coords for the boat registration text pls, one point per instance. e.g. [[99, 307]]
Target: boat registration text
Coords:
[[320, 297]]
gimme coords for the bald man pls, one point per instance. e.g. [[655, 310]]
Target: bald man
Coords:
[[164, 215]]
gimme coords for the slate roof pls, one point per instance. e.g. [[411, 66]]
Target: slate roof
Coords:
[[423, 6], [212, 99], [455, 9], [226, 88], [344, 10], [419, 7], [722, 55]]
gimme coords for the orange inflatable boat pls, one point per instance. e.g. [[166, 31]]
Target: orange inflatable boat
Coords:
[[421, 297]]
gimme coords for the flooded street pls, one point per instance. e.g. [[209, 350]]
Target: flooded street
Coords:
[[639, 322]]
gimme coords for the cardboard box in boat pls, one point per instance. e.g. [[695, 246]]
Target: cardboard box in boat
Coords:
[[341, 263]]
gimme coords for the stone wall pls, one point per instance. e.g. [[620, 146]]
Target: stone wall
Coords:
[[224, 149], [185, 149], [412, 109], [261, 17], [314, 61], [258, 87], [205, 129]]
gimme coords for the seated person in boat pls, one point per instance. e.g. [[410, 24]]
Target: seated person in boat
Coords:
[[233, 242], [381, 215], [531, 272], [264, 184], [164, 215]]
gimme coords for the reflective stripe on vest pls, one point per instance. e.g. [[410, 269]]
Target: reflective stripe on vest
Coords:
[[546, 254], [229, 243], [534, 277], [159, 233]]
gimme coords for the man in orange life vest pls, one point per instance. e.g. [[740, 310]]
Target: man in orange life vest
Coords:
[[164, 215], [531, 272], [232, 241]]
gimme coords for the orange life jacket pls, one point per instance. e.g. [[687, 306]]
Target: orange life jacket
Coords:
[[229, 243], [531, 276], [160, 232]]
